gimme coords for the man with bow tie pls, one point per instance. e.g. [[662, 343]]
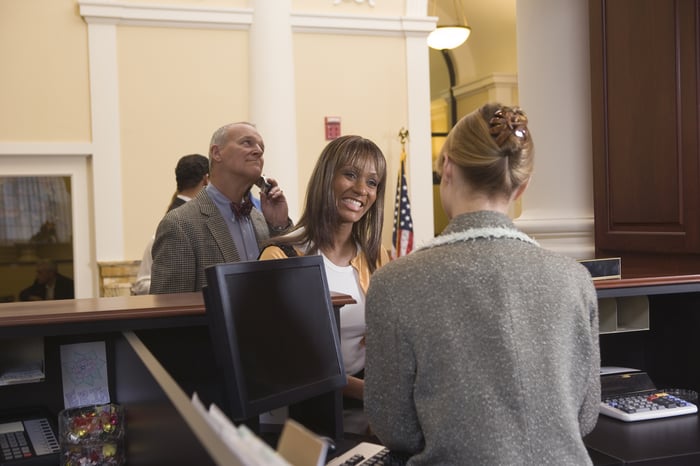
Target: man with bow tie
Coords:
[[220, 224]]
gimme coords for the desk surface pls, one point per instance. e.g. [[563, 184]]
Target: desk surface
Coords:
[[67, 311], [647, 281], [670, 441], [115, 308], [647, 286]]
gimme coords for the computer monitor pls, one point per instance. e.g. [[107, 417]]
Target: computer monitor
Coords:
[[274, 332]]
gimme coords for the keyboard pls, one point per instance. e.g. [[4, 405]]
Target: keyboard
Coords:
[[366, 454], [653, 404]]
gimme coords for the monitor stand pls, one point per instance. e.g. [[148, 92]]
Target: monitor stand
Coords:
[[322, 414]]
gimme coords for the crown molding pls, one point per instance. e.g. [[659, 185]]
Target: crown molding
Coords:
[[556, 226], [131, 14], [82, 149], [492, 81], [573, 237], [368, 25]]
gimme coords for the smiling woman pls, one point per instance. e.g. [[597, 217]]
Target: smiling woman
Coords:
[[342, 222]]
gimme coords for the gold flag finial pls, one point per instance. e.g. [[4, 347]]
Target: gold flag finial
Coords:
[[403, 135]]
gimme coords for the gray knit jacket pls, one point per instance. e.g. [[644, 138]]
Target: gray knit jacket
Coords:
[[483, 352]]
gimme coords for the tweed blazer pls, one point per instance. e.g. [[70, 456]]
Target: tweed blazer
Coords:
[[483, 350], [191, 238]]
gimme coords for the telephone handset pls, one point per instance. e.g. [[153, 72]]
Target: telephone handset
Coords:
[[27, 440], [263, 184]]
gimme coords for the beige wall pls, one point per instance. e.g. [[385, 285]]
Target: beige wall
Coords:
[[491, 47], [176, 86], [44, 89], [337, 77]]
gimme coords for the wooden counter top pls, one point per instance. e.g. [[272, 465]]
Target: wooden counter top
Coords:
[[648, 286], [69, 311], [647, 281]]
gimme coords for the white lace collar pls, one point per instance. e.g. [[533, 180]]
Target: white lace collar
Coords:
[[477, 233]]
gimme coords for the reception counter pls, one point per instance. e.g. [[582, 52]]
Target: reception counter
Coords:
[[159, 353]]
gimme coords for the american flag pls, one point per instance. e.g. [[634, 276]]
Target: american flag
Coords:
[[402, 235]]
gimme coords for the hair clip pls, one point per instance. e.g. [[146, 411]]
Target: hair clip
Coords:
[[507, 121]]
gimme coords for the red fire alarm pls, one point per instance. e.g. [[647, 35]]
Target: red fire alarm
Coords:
[[332, 127]]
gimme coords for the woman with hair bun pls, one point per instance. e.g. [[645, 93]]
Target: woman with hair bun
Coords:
[[482, 347]]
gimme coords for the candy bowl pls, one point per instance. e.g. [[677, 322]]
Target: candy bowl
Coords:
[[92, 435]]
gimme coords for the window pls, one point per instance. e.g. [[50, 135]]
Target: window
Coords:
[[35, 223]]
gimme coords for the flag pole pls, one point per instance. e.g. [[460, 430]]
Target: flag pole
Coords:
[[402, 235]]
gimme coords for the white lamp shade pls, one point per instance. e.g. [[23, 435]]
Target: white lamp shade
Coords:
[[448, 37]]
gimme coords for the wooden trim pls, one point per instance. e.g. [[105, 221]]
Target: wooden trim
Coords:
[[647, 281], [648, 286], [113, 309]]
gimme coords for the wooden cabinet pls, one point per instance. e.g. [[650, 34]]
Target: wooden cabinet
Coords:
[[646, 116]]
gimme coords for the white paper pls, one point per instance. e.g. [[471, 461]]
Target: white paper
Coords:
[[31, 372], [84, 373]]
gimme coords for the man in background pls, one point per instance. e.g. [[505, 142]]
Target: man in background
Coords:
[[220, 224], [191, 175], [49, 284]]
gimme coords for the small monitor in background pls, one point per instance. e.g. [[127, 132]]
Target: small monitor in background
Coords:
[[274, 332]]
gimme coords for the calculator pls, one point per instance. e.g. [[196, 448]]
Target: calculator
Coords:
[[632, 396]]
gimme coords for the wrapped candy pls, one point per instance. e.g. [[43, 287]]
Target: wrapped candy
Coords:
[[92, 435]]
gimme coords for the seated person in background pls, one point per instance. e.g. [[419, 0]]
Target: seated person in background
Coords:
[[191, 175], [482, 347], [219, 225], [342, 221], [49, 284]]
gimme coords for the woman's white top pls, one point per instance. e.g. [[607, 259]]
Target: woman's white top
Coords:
[[352, 316]]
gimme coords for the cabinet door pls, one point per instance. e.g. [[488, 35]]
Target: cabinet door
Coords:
[[644, 90]]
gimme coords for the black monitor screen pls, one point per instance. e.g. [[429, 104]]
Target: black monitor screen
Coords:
[[275, 332]]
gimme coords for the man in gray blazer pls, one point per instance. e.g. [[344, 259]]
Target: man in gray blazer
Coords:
[[219, 225]]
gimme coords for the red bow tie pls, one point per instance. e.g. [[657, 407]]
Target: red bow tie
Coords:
[[243, 209]]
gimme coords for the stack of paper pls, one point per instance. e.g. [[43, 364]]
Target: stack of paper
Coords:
[[32, 372], [298, 446]]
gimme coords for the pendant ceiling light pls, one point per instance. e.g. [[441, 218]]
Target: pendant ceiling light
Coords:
[[452, 35]]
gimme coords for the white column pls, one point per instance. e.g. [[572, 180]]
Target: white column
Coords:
[[272, 93], [419, 148], [106, 160], [554, 78]]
